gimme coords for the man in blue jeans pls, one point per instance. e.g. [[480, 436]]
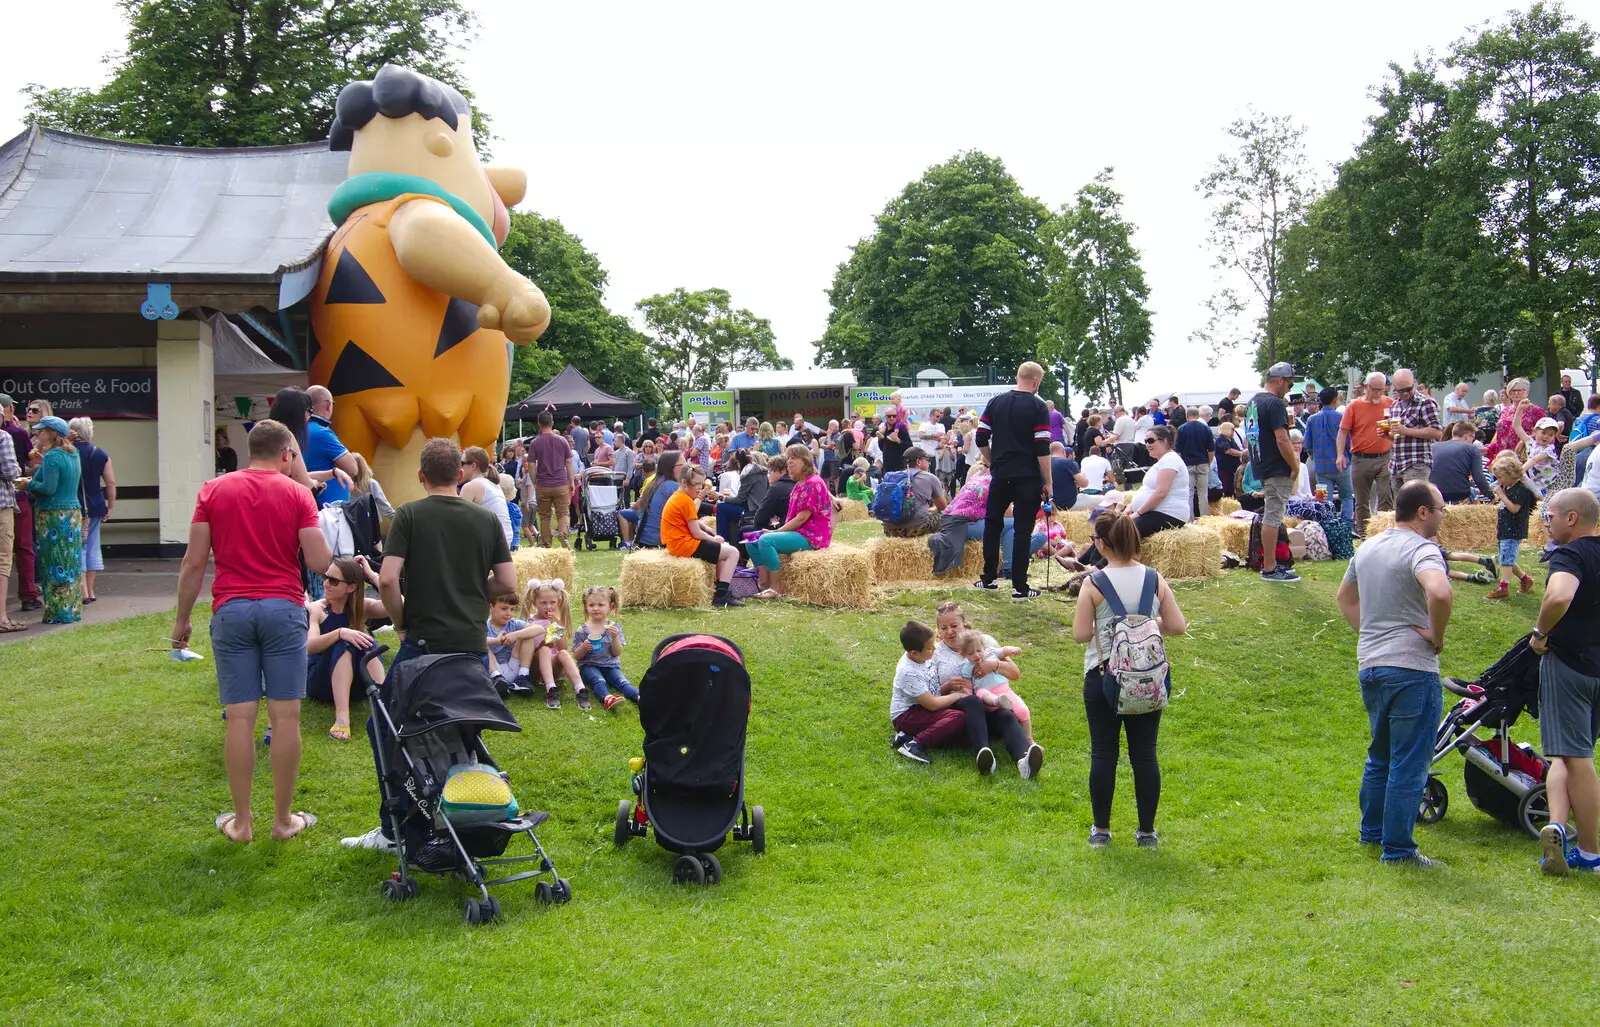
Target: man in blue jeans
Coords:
[[1396, 596], [454, 557]]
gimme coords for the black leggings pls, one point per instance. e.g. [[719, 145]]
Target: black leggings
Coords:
[[1105, 727], [983, 722], [1153, 521]]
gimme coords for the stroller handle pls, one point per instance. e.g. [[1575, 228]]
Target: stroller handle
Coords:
[[1463, 688]]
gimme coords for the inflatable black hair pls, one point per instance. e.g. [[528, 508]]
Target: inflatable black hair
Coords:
[[394, 92]]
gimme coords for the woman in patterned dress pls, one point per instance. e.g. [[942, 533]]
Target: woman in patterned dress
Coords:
[[57, 521]]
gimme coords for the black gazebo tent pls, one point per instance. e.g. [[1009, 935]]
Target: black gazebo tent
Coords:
[[570, 393]]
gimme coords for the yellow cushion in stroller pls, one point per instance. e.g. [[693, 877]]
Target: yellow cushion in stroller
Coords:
[[475, 793]]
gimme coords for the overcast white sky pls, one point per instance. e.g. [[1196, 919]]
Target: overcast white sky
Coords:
[[748, 145]]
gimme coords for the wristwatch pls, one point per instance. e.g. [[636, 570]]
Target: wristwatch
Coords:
[[1540, 635]]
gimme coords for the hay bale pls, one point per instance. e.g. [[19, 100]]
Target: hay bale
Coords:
[[909, 559], [543, 564], [1191, 551], [654, 578], [1076, 523], [835, 576], [1235, 533], [1224, 506], [709, 522], [851, 510], [1471, 528]]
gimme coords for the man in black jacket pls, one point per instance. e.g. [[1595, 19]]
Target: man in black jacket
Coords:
[[1014, 434]]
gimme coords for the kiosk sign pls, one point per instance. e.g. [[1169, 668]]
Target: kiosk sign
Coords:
[[708, 407], [127, 393]]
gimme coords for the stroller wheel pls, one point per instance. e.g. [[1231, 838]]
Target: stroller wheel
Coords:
[[713, 868], [624, 829], [471, 912], [563, 891], [488, 910], [1533, 812], [1435, 800], [687, 870], [542, 892], [758, 830], [394, 891]]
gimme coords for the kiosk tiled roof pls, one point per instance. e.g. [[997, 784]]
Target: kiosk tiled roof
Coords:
[[76, 208]]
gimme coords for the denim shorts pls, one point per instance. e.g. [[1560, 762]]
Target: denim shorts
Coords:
[[1509, 548], [259, 646]]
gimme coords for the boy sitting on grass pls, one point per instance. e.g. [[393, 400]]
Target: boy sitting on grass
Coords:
[[511, 646]]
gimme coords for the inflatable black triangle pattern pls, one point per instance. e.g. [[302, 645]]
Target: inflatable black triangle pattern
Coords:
[[460, 321], [351, 283], [357, 371]]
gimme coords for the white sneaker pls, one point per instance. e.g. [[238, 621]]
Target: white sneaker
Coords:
[[986, 760], [1029, 765], [373, 839]]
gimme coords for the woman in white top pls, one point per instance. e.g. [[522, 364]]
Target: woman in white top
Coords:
[[1116, 537], [1163, 501], [1302, 484], [482, 486]]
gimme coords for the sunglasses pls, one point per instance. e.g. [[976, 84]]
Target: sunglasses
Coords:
[[1405, 388], [329, 579]]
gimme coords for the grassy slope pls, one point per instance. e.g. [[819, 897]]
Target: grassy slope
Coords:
[[889, 893]]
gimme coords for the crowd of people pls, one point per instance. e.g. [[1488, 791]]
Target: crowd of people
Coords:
[[56, 489]]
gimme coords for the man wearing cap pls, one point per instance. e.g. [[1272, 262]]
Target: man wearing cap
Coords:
[[1369, 445], [1418, 428], [20, 546], [1276, 465]]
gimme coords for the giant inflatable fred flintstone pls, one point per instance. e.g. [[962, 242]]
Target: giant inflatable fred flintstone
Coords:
[[414, 311]]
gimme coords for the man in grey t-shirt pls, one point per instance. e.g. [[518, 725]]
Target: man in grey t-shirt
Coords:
[[1396, 596]]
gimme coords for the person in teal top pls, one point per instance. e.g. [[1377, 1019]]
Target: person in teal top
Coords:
[[57, 521]]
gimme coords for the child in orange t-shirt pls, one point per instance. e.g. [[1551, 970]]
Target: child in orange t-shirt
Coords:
[[683, 534]]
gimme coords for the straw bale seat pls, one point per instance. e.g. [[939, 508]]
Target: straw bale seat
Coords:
[[654, 578], [835, 576], [543, 564], [897, 560], [1191, 551]]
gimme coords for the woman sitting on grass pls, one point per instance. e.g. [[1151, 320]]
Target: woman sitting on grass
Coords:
[[337, 637], [809, 524], [1117, 538], [684, 535]]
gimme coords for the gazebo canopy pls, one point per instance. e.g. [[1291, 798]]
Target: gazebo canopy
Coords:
[[570, 393]]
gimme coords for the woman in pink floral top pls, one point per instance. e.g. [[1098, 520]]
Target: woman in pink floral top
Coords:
[[972, 502], [1505, 433], [809, 525]]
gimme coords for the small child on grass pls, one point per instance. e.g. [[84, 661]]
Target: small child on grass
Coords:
[[550, 622], [991, 671], [598, 645], [507, 633], [1511, 526]]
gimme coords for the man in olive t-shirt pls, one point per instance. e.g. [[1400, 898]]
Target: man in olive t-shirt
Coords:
[[454, 557]]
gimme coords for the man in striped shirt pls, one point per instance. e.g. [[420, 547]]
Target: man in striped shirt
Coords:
[[1014, 436]]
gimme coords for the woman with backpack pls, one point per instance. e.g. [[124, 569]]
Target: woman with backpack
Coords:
[[1123, 612]]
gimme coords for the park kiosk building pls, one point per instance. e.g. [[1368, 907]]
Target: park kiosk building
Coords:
[[133, 277]]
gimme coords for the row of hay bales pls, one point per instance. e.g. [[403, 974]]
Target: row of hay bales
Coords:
[[836, 576], [1471, 528]]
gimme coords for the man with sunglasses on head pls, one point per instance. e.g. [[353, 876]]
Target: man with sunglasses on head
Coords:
[[22, 557], [1566, 638]]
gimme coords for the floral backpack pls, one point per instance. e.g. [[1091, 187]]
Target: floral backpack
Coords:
[[1135, 674]]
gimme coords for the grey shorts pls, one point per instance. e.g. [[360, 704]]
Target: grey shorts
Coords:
[[259, 646], [1275, 492], [1569, 710]]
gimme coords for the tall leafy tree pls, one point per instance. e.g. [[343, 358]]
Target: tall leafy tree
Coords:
[[1097, 293], [1391, 266], [1257, 191], [583, 331], [1532, 87], [253, 72], [696, 338], [953, 273]]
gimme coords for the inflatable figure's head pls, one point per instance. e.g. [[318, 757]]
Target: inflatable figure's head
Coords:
[[406, 123]]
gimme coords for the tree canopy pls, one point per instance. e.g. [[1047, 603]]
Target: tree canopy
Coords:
[[698, 337], [1097, 294], [954, 273], [253, 72], [583, 332]]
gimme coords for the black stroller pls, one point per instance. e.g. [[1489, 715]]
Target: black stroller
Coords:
[[452, 805], [694, 704], [1504, 779]]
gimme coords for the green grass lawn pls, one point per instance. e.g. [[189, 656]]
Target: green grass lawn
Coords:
[[889, 892]]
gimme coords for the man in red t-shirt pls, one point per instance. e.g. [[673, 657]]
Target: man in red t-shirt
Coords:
[[256, 522]]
